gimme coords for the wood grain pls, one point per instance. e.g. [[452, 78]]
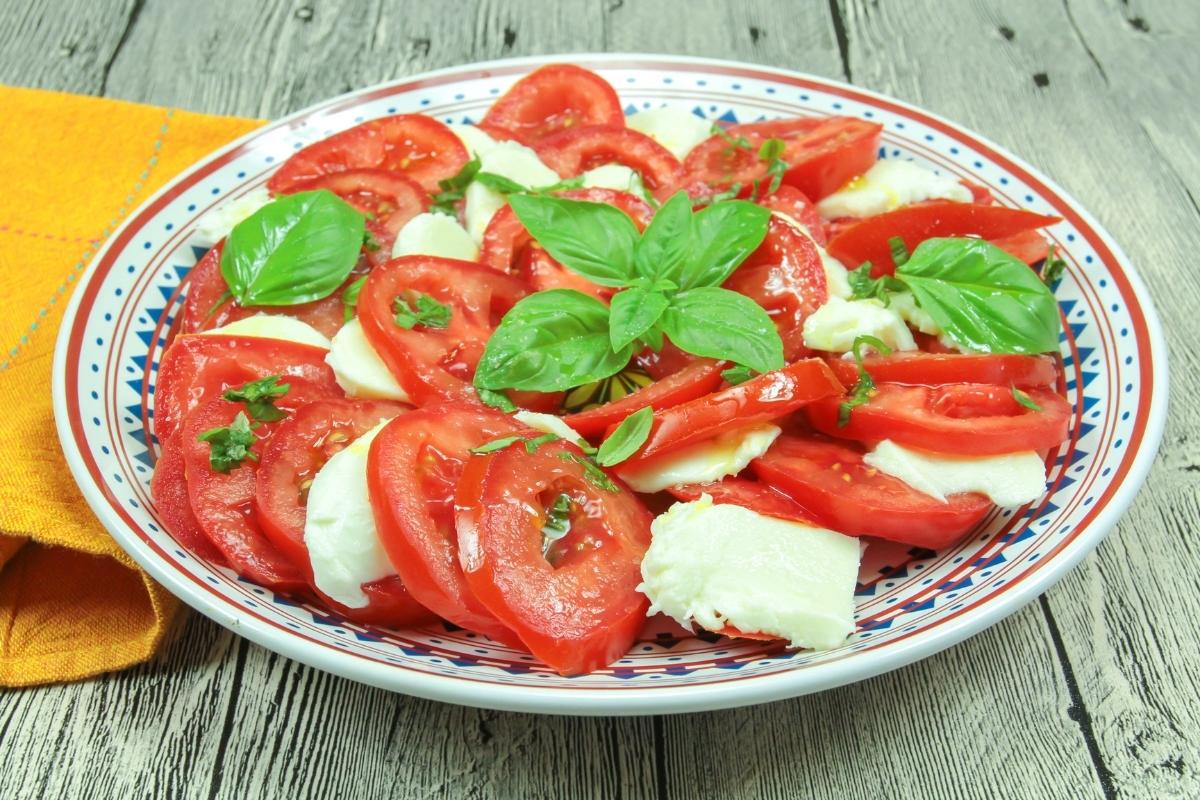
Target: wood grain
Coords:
[[1089, 693]]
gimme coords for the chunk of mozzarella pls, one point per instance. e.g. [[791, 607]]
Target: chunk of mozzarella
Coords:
[[431, 234], [726, 454], [891, 183], [473, 138], [1009, 480], [358, 369], [614, 176], [216, 224], [548, 423], [273, 326], [837, 323], [674, 128], [725, 565], [510, 160]]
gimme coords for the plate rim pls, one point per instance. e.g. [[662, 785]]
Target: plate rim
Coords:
[[667, 699]]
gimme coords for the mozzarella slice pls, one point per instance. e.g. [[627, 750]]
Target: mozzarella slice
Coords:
[[339, 529], [273, 326], [889, 184], [727, 454], [837, 278], [614, 176], [548, 423], [513, 161], [216, 224], [1009, 480], [718, 565], [358, 369], [439, 235], [481, 205], [837, 323], [675, 129], [473, 138], [904, 304]]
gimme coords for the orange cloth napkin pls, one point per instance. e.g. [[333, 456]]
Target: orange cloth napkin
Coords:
[[72, 603]]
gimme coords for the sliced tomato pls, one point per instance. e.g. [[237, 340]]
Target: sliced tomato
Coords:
[[418, 146], [760, 399], [198, 368], [980, 195], [554, 98], [786, 277], [541, 272], [867, 240], [224, 502], [573, 601], [667, 361], [830, 480], [390, 199], [1029, 246], [170, 492], [413, 468], [757, 497], [937, 369], [208, 304], [822, 154], [969, 419], [433, 363], [791, 201], [575, 151], [697, 379]]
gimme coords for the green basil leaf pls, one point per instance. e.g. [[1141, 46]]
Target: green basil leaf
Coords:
[[632, 313], [591, 472], [350, 298], [259, 398], [983, 298], [420, 309], [737, 374], [499, 183], [495, 444], [454, 188], [1025, 400], [497, 400], [550, 341], [718, 323], [627, 438], [595, 240], [228, 447], [663, 248], [296, 249], [723, 236]]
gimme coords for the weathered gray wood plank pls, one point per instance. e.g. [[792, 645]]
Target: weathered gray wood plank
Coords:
[[69, 48]]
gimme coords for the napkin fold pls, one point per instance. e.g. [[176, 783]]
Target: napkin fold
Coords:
[[72, 603]]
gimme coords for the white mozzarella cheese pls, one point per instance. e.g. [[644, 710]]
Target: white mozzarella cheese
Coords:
[[339, 529], [727, 454], [837, 323], [614, 176], [718, 565], [889, 184], [473, 138], [216, 224], [1009, 480], [358, 368], [674, 128], [513, 161], [432, 234], [548, 423], [273, 326]]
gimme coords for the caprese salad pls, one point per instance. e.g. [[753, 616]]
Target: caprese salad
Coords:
[[544, 376]]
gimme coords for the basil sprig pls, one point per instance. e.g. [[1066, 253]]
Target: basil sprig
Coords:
[[625, 440], [670, 278], [229, 446], [296, 249]]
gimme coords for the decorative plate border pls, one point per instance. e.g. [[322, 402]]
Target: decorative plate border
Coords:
[[118, 319]]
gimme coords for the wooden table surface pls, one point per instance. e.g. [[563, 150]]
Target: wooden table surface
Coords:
[[1089, 692]]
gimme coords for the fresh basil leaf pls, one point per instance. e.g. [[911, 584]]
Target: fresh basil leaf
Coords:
[[370, 243], [229, 446], [899, 250], [1025, 400], [983, 298], [1053, 267], [423, 310], [717, 323], [661, 252], [350, 298], [499, 183], [591, 472], [296, 249], [454, 188], [558, 522], [865, 387], [632, 313], [259, 398], [737, 374], [723, 236], [771, 152], [495, 444], [595, 240], [627, 438], [497, 400], [734, 142], [652, 338], [532, 445], [863, 286], [550, 341]]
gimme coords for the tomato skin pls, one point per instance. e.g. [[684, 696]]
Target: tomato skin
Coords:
[[435, 363], [960, 419], [412, 469], [581, 613], [695, 380], [170, 492], [791, 201], [867, 240], [813, 472], [418, 146], [760, 399], [575, 151], [207, 306], [390, 197], [937, 369], [1029, 246], [667, 361], [199, 368], [553, 98], [757, 497], [786, 277]]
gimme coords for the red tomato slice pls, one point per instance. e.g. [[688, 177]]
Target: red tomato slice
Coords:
[[573, 602], [667, 361], [224, 502], [435, 363], [760, 399], [389, 197], [553, 98], [695, 380], [1029, 246], [199, 368], [170, 492], [413, 468], [753, 495], [830, 480], [541, 272], [969, 419], [422, 148], [575, 151], [937, 369], [867, 240], [208, 306], [786, 277], [791, 201]]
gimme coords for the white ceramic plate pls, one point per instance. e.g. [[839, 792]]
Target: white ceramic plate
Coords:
[[910, 603]]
